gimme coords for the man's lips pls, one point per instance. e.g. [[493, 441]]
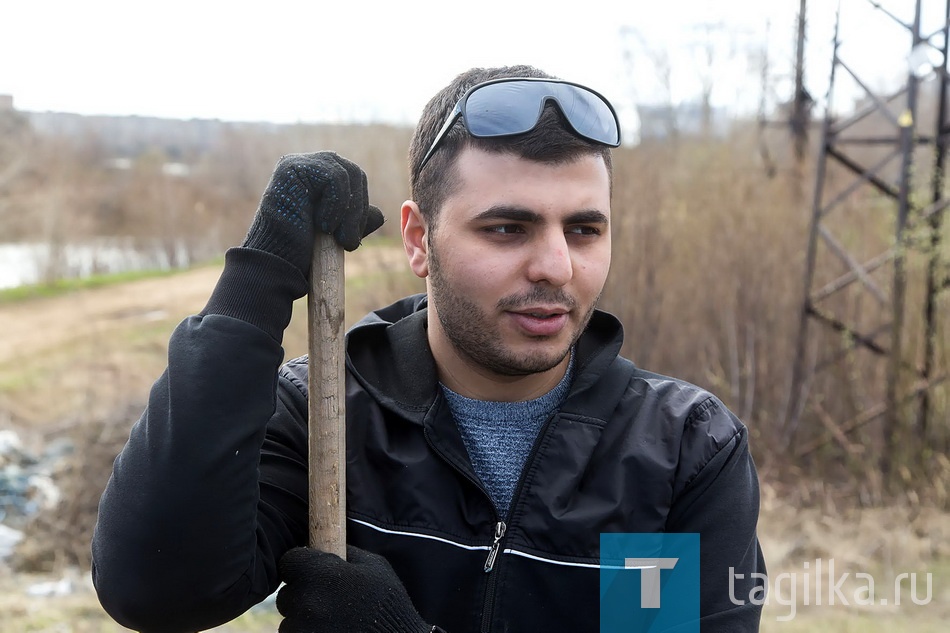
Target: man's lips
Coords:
[[542, 311], [540, 320]]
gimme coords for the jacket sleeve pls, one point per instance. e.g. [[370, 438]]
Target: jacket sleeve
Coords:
[[717, 496], [189, 530]]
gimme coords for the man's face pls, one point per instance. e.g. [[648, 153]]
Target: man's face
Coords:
[[518, 258]]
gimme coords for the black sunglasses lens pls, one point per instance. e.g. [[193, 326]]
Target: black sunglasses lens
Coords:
[[588, 114], [502, 108], [513, 107]]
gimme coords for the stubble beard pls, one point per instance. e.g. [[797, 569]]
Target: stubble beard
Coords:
[[471, 333]]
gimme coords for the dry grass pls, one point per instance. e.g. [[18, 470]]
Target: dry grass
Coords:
[[882, 542], [707, 277]]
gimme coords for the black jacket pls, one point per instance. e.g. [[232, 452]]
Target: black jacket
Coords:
[[211, 488]]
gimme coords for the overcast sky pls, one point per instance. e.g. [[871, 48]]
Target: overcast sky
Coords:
[[286, 60]]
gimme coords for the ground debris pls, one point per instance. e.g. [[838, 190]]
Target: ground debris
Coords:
[[58, 535], [26, 484]]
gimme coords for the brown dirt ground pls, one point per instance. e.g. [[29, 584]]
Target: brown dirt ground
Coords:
[[34, 327], [85, 352]]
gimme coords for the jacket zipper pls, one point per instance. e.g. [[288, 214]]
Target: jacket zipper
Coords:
[[487, 610], [501, 527]]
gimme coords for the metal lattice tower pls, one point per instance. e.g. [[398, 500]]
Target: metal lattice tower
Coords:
[[858, 302]]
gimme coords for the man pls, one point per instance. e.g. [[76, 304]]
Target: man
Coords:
[[493, 432]]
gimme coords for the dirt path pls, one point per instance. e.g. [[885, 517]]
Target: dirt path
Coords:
[[34, 327], [66, 358]]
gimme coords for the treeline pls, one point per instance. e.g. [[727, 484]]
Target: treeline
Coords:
[[68, 179]]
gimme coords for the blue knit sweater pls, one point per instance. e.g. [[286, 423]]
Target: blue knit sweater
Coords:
[[499, 435]]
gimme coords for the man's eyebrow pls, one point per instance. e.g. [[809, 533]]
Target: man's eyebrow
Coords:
[[521, 214], [506, 212], [588, 216]]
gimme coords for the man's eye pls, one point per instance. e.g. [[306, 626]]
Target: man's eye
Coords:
[[584, 230], [505, 229]]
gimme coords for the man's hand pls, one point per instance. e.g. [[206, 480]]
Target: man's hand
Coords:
[[309, 192], [362, 594]]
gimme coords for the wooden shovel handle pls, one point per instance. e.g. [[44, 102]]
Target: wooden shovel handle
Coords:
[[327, 445]]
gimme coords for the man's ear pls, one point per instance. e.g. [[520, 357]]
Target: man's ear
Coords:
[[415, 238]]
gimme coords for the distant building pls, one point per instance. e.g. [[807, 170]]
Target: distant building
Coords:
[[6, 103]]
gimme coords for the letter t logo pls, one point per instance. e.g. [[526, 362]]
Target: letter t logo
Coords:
[[650, 578]]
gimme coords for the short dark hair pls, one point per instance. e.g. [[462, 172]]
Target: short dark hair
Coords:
[[551, 140]]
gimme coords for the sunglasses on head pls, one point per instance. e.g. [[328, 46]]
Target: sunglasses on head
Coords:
[[513, 105]]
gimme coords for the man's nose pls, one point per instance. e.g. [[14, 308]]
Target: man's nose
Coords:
[[550, 260]]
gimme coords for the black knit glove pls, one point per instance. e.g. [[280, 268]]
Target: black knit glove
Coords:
[[325, 594], [306, 190]]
